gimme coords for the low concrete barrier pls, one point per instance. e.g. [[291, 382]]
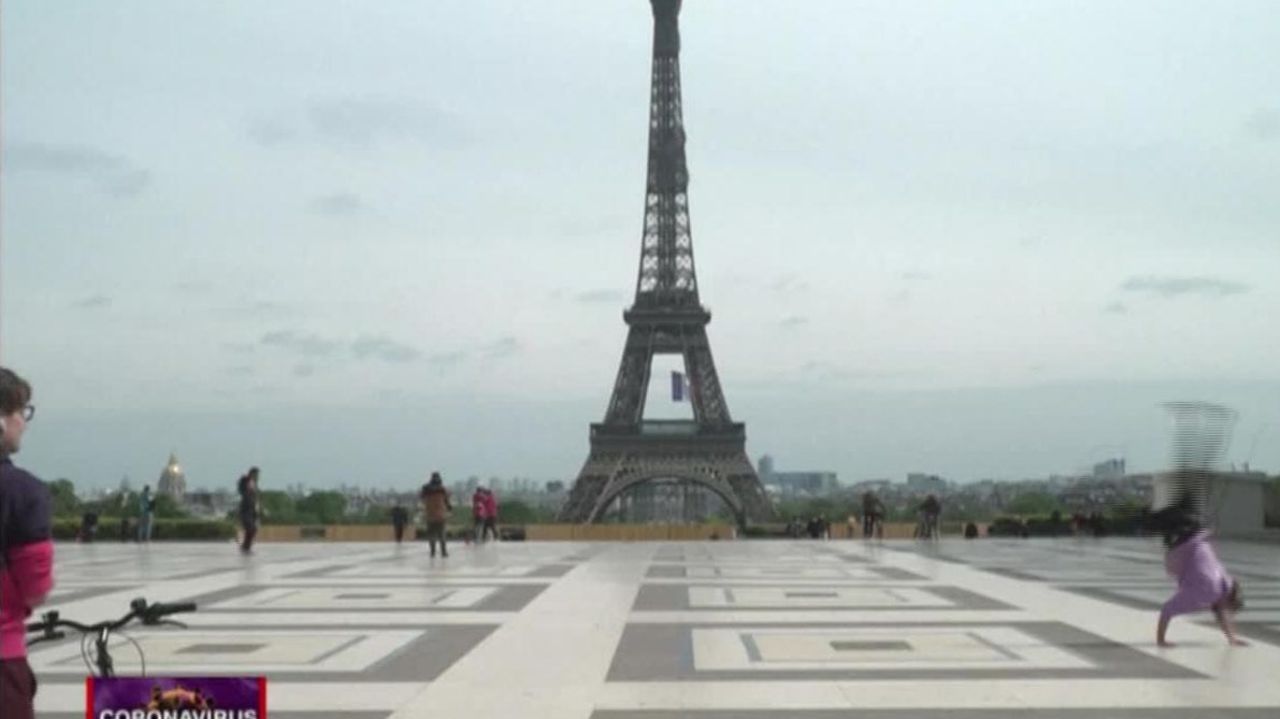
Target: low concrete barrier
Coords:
[[627, 532], [578, 532]]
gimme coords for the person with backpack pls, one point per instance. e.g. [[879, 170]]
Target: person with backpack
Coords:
[[436, 507], [26, 549]]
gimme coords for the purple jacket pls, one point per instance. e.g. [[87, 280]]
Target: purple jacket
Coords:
[[25, 534], [1201, 577]]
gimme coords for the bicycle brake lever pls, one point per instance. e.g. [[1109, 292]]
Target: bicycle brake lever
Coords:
[[174, 622]]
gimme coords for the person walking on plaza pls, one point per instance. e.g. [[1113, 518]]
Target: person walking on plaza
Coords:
[[399, 518], [26, 549], [88, 527], [146, 514], [249, 508], [490, 514], [872, 516], [436, 507], [930, 510], [127, 531], [478, 508]]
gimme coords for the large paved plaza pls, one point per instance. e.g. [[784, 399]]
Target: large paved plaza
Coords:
[[960, 630]]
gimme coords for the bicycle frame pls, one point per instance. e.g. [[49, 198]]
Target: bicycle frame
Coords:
[[106, 667]]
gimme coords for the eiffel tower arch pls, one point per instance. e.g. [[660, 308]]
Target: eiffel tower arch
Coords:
[[667, 318]]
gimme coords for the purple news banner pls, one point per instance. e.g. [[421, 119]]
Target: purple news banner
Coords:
[[176, 698]]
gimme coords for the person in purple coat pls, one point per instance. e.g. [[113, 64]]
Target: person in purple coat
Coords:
[[1203, 583]]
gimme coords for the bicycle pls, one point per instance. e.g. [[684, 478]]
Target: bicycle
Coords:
[[927, 527], [150, 615]]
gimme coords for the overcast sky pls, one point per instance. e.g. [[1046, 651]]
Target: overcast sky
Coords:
[[360, 241]]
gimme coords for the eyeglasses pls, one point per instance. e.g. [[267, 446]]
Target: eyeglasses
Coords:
[[29, 412]]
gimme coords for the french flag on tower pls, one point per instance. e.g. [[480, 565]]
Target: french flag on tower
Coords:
[[679, 387]]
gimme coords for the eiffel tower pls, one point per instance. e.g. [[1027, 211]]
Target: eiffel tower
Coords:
[[667, 318]]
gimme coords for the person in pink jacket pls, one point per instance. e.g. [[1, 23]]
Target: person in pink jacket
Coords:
[[490, 514], [26, 550], [1203, 583]]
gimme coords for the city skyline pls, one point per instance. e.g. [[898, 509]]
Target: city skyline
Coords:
[[372, 244]]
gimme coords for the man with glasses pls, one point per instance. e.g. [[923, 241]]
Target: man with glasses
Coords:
[[26, 550]]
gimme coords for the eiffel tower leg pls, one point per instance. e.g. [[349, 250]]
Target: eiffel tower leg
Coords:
[[626, 405], [589, 486], [709, 405]]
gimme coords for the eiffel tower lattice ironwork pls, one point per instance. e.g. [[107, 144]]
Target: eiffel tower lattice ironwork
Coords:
[[667, 318]]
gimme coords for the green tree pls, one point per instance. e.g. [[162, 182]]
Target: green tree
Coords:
[[65, 501], [1033, 503], [277, 507], [515, 511], [326, 507], [168, 508]]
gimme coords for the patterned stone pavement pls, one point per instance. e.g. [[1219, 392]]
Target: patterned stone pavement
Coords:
[[956, 630]]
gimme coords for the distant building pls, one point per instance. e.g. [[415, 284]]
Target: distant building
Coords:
[[928, 483], [209, 505], [173, 481], [789, 483], [876, 486], [813, 483], [765, 468], [1110, 469]]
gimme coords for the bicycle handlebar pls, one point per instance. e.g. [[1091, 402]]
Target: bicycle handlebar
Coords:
[[155, 611], [139, 609]]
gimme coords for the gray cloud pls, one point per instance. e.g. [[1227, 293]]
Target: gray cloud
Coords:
[[1116, 308], [239, 347], [197, 287], [793, 322], [576, 226], [597, 296], [447, 359], [243, 370], [363, 121], [306, 345], [1263, 124], [112, 174], [270, 132], [503, 347], [303, 370], [126, 184], [788, 284], [385, 349], [342, 204], [365, 347], [1179, 286], [916, 276], [95, 302], [826, 371], [260, 309]]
